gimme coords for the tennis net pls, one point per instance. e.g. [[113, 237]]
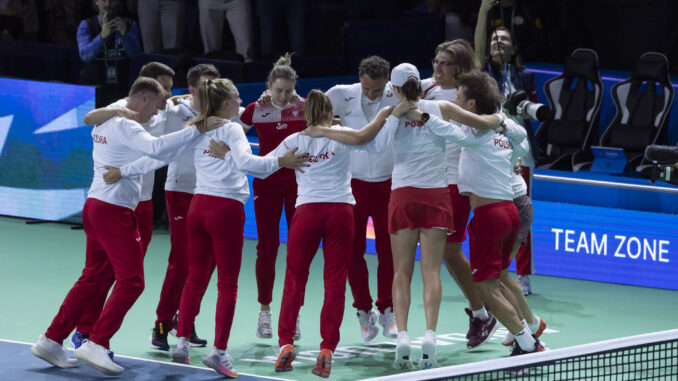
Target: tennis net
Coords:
[[651, 356]]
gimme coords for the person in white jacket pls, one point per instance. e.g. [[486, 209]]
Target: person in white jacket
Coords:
[[113, 240], [356, 105]]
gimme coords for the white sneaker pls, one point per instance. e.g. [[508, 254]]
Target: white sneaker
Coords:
[[297, 333], [428, 351], [524, 281], [53, 352], [367, 321], [508, 339], [402, 357], [222, 362], [97, 357], [264, 325], [181, 352], [388, 321]]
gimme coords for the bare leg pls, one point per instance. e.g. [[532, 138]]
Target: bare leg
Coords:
[[460, 269], [513, 287], [403, 247], [501, 308], [432, 248]]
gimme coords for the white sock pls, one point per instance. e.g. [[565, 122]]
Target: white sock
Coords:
[[525, 340], [430, 336], [221, 352], [534, 326], [403, 335], [481, 314], [527, 326]]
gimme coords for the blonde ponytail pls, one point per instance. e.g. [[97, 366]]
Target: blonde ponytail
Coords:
[[212, 93], [317, 108]]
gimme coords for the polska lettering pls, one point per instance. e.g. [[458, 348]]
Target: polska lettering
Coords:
[[322, 156], [99, 139], [503, 143], [418, 123]]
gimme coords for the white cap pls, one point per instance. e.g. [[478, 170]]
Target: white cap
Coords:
[[401, 73]]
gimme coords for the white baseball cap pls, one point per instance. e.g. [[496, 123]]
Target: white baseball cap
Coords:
[[401, 73]]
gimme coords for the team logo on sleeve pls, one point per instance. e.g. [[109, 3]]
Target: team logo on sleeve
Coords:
[[265, 114]]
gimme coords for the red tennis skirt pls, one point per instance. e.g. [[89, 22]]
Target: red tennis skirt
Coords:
[[427, 208]]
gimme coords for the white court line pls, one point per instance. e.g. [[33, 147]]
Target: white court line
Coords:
[[160, 362]]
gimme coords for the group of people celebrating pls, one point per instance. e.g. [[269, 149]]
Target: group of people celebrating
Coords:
[[414, 155]]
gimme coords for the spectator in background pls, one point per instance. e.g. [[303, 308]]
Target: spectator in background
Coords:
[[106, 42], [19, 20], [504, 64], [239, 15], [521, 19], [460, 16], [162, 24], [273, 15]]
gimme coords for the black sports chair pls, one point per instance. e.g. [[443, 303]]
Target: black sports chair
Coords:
[[575, 98], [643, 104]]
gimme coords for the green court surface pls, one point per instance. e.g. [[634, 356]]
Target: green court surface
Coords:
[[39, 263]]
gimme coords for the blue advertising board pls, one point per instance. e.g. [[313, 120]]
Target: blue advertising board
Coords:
[[45, 149]]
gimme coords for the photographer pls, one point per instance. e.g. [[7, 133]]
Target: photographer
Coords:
[[106, 42], [504, 64]]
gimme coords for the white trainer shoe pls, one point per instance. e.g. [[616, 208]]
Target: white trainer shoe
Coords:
[[428, 351], [388, 321], [297, 332], [367, 321], [402, 357], [97, 357], [264, 330], [181, 352], [222, 362], [53, 352]]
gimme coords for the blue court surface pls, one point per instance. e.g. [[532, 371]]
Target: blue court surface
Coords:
[[18, 363]]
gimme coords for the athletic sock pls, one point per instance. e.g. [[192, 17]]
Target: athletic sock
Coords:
[[481, 314], [525, 340], [534, 326]]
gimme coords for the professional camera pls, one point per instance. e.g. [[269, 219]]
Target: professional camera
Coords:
[[664, 159], [518, 105]]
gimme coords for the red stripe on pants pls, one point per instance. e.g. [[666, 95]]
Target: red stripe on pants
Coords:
[[215, 233], [333, 223], [524, 263], [269, 199], [144, 214], [113, 245], [371, 199]]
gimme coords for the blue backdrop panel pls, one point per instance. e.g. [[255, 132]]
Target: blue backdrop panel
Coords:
[[45, 149], [606, 244]]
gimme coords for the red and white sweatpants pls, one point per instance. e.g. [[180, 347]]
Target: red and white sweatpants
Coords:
[[371, 199], [114, 250], [269, 199], [215, 227], [144, 214], [333, 223]]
